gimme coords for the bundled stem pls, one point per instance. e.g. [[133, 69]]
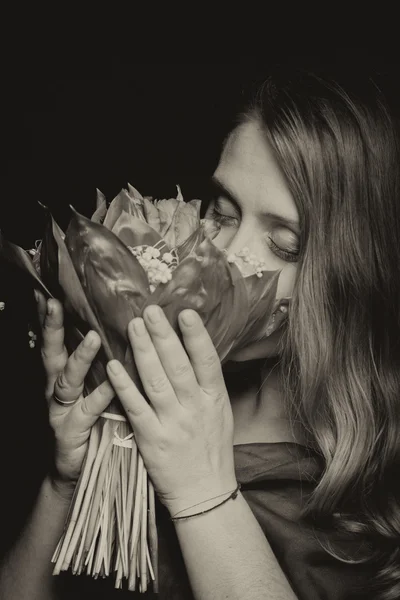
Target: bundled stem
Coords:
[[111, 525]]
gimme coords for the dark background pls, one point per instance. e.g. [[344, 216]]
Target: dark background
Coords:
[[67, 132], [70, 131]]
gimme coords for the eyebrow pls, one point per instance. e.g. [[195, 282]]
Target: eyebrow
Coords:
[[220, 187]]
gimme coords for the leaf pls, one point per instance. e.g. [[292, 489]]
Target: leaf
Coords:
[[17, 256], [101, 208], [75, 298], [262, 300], [112, 279], [48, 260], [190, 245]]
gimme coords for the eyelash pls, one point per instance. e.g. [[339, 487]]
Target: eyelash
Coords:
[[220, 218], [282, 254]]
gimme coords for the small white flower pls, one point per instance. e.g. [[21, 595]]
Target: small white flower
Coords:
[[163, 267], [154, 252], [2, 305], [167, 257]]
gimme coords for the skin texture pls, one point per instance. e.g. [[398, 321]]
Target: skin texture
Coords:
[[255, 209]]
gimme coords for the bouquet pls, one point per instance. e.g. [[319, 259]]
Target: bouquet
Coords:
[[105, 270]]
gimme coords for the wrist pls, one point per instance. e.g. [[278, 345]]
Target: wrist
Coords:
[[201, 499], [63, 489]]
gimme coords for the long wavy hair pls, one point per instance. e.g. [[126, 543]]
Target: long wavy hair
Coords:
[[339, 150]]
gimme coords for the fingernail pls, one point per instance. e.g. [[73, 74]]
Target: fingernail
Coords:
[[153, 313], [90, 339], [115, 367], [138, 326], [188, 317]]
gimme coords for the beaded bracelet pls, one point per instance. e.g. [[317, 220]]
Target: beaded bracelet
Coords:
[[231, 496]]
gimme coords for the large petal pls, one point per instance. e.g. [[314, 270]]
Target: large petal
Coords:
[[122, 202], [203, 281], [111, 277], [187, 220], [152, 215], [135, 232], [73, 294], [183, 217], [166, 211], [208, 229]]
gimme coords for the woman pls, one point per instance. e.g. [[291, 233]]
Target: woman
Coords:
[[309, 180]]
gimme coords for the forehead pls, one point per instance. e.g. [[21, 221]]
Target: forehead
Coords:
[[250, 171]]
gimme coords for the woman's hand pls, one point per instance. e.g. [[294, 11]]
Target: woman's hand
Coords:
[[185, 434], [65, 379]]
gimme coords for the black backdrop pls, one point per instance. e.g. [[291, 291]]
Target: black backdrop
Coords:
[[153, 125]]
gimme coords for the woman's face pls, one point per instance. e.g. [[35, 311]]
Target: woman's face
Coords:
[[255, 209]]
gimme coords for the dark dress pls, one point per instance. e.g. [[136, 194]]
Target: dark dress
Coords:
[[276, 479]]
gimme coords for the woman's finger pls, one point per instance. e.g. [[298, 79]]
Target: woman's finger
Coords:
[[202, 353], [156, 384], [41, 306], [172, 355], [142, 417], [54, 353], [90, 407], [69, 384]]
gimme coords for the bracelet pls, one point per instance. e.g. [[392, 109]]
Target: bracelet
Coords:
[[232, 496]]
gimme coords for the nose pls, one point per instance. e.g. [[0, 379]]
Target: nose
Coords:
[[247, 236]]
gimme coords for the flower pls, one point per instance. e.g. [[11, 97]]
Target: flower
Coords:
[[137, 252], [106, 270]]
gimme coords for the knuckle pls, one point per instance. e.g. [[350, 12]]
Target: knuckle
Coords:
[[85, 407], [134, 413], [53, 361], [159, 384], [163, 443], [182, 369], [62, 382], [219, 396], [209, 361]]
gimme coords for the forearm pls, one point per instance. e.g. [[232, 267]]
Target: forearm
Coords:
[[26, 572], [227, 556]]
